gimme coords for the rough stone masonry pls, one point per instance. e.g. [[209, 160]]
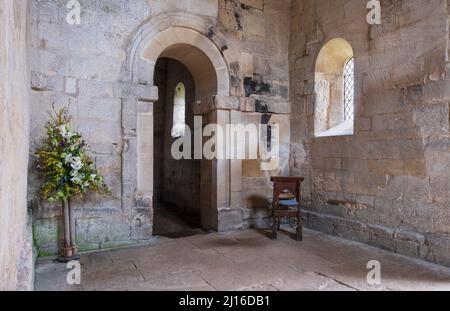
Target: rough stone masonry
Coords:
[[87, 67], [16, 257], [387, 185]]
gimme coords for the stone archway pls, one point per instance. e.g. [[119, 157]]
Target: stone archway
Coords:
[[152, 49], [149, 45]]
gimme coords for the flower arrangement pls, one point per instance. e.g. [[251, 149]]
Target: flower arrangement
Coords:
[[68, 172]]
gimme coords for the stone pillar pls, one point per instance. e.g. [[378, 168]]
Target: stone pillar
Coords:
[[137, 155], [227, 190], [221, 179], [236, 169], [144, 196], [221, 173]]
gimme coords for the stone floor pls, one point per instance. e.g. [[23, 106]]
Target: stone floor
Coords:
[[246, 260]]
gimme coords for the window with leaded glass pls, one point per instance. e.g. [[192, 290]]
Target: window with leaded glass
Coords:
[[349, 90]]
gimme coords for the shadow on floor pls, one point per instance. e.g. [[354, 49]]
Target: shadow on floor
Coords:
[[172, 223]]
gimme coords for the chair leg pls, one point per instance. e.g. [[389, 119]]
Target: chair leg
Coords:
[[299, 229], [274, 228], [299, 234], [279, 224]]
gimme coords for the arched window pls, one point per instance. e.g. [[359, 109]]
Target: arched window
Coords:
[[179, 111], [349, 90], [335, 89]]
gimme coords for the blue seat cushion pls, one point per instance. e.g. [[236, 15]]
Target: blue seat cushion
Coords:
[[288, 203]]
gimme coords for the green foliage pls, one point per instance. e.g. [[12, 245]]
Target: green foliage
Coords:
[[67, 169]]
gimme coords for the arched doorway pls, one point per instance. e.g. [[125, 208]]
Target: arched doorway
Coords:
[[206, 65]]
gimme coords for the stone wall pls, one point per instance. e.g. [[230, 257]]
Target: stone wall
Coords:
[[88, 67], [81, 66], [388, 185], [16, 256], [260, 78]]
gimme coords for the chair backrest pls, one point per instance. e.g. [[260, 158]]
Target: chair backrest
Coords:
[[286, 184]]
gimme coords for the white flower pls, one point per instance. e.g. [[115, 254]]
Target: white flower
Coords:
[[68, 159], [76, 180], [77, 164], [65, 131], [62, 130]]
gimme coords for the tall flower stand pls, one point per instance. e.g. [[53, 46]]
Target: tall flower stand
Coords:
[[68, 172], [70, 250]]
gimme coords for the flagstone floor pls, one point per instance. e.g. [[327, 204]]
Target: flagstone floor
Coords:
[[246, 260]]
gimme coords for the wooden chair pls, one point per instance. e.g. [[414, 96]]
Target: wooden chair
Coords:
[[286, 203]]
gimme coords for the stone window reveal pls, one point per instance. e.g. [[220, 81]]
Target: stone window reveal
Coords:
[[179, 111], [334, 89]]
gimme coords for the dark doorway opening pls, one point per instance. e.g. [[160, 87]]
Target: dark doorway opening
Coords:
[[176, 182]]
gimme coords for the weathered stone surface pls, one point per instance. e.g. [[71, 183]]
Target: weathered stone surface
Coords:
[[99, 71], [252, 62], [200, 7], [230, 220], [70, 86], [16, 256], [385, 175], [226, 103]]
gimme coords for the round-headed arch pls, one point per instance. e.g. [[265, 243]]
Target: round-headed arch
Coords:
[[194, 50], [333, 56]]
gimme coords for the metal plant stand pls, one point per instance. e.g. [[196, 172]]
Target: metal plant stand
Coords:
[[70, 250]]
